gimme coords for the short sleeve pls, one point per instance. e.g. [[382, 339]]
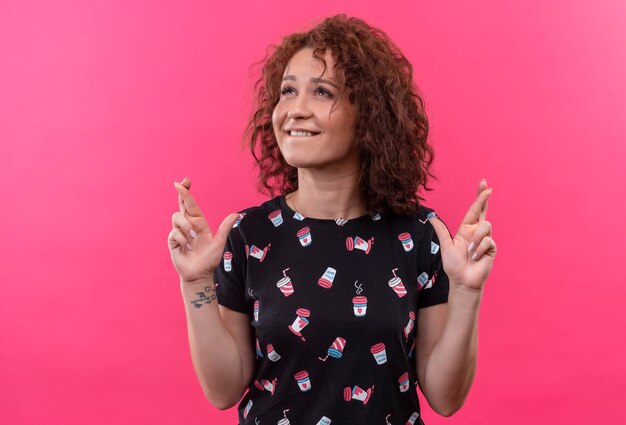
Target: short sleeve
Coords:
[[230, 275], [434, 287]]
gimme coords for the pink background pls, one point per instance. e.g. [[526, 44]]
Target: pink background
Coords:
[[104, 104]]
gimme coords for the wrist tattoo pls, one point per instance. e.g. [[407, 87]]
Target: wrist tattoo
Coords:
[[205, 297]]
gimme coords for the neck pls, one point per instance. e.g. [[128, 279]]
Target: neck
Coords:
[[337, 197]]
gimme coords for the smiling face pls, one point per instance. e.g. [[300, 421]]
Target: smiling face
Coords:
[[307, 103]]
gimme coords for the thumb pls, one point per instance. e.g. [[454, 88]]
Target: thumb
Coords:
[[445, 239], [222, 232]]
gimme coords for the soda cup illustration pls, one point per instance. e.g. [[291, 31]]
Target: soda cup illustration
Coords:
[[434, 248], [376, 217], [298, 216], [272, 354], [409, 327], [266, 385], [300, 322], [407, 242], [403, 380], [284, 421], [303, 380], [228, 257], [324, 421], [423, 282], [326, 281], [246, 410], [257, 304], [284, 284], [413, 418], [358, 243], [304, 235], [240, 217], [396, 284], [360, 305], [379, 353], [341, 221], [358, 393], [336, 349], [276, 217], [257, 252]]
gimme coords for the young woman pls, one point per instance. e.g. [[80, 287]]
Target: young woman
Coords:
[[341, 294]]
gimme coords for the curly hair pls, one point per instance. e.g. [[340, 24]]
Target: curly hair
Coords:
[[391, 125]]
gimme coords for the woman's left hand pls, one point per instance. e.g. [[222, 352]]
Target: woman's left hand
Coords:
[[468, 257]]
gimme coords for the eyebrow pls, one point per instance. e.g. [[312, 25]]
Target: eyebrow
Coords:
[[313, 80]]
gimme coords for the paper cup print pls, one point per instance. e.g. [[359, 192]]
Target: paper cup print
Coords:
[[284, 421], [257, 304], [258, 349], [413, 418], [434, 248], [407, 242], [246, 410], [379, 353], [324, 421], [423, 282], [396, 284], [358, 243], [276, 217], [403, 380], [409, 327], [240, 217], [257, 252], [376, 217], [357, 393], [326, 281], [304, 235], [360, 305], [300, 322], [228, 257], [266, 385], [298, 216], [302, 378], [272, 354]]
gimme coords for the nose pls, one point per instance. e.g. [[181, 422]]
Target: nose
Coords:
[[299, 108]]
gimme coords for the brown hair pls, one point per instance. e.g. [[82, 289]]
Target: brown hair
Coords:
[[391, 125]]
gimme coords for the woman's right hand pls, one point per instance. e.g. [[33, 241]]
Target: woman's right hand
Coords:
[[199, 263]]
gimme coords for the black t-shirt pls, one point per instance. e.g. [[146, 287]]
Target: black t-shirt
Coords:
[[333, 305]]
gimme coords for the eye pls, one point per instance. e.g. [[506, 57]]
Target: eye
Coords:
[[324, 92], [286, 90]]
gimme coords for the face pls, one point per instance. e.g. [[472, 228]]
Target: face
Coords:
[[308, 94]]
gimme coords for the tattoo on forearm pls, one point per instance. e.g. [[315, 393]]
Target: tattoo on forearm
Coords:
[[205, 297]]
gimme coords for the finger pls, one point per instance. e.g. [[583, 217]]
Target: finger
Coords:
[[224, 229], [487, 246], [176, 239], [187, 183], [445, 239], [482, 186], [483, 229], [190, 205], [473, 214], [180, 221]]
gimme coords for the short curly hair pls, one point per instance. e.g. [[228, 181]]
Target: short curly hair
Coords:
[[391, 126]]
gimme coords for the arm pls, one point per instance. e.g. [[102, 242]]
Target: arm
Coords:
[[220, 344], [447, 349]]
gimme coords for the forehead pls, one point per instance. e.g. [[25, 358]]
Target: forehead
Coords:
[[303, 63]]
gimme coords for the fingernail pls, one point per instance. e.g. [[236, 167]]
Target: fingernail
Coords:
[[469, 248], [474, 256], [188, 246], [192, 233]]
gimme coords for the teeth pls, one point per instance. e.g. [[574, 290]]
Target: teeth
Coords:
[[301, 133]]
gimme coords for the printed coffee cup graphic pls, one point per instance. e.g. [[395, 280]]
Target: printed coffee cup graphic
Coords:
[[304, 236], [228, 258], [257, 305], [409, 327], [379, 353], [360, 305], [276, 218], [357, 393], [302, 378], [246, 410], [285, 285], [326, 281], [257, 252], [358, 243], [266, 385], [272, 354], [300, 322], [403, 380], [396, 284], [407, 242]]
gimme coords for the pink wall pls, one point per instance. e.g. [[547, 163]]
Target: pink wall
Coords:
[[104, 104]]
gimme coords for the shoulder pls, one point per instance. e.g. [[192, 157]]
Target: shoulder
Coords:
[[252, 216]]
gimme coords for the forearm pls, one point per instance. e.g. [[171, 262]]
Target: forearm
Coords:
[[214, 352], [449, 372]]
